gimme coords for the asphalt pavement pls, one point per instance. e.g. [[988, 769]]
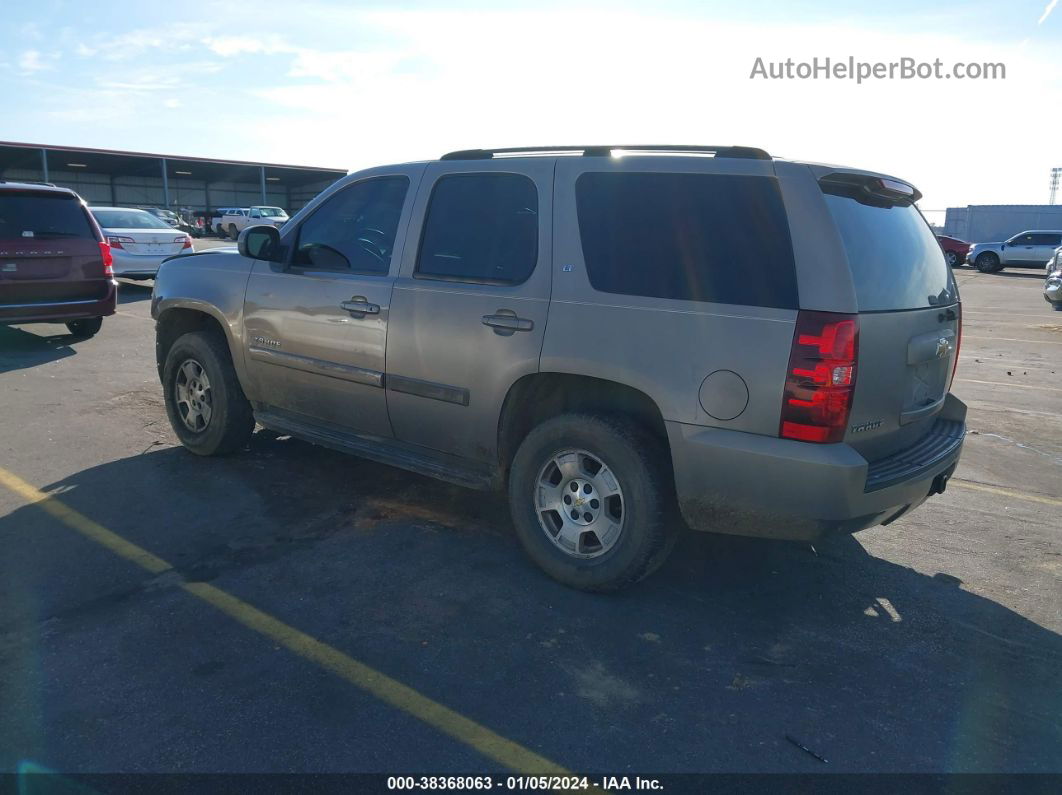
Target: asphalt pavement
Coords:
[[930, 645]]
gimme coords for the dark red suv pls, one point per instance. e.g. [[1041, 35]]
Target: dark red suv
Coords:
[[54, 265]]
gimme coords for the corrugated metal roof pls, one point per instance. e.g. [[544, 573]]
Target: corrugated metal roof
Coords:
[[185, 158]]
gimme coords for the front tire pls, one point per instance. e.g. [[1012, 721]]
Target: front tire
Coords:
[[987, 262], [86, 327], [204, 401], [233, 231], [592, 501]]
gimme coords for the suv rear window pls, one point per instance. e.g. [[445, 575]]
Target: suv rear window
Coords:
[[896, 261], [694, 237], [28, 216]]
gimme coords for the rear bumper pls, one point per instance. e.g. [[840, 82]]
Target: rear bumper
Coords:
[[140, 266], [743, 484], [61, 311]]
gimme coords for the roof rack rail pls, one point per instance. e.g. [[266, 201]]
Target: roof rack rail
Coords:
[[744, 152], [29, 182]]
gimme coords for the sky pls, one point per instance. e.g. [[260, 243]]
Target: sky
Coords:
[[355, 84]]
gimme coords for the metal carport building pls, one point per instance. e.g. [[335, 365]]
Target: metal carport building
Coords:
[[137, 179]]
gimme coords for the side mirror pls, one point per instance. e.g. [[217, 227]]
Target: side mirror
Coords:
[[259, 242]]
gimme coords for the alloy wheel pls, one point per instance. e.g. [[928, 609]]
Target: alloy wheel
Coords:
[[579, 503], [193, 396]]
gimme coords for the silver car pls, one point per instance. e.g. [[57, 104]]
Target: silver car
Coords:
[[625, 339], [1053, 283], [139, 240], [1029, 249]]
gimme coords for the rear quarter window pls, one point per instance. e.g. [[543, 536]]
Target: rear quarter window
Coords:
[[895, 260], [695, 237], [30, 216]]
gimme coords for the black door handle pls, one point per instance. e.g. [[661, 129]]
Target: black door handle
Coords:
[[358, 305], [506, 321]]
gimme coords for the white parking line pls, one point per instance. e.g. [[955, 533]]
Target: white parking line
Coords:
[[1005, 383], [1009, 339]]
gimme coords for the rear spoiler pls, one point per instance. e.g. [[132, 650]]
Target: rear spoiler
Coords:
[[870, 189]]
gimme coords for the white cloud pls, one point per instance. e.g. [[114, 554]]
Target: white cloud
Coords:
[[481, 79], [230, 46], [32, 61], [1047, 12]]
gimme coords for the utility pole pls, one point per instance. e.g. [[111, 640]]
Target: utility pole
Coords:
[[1055, 172]]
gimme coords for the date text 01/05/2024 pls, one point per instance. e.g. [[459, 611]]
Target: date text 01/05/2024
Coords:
[[538, 783]]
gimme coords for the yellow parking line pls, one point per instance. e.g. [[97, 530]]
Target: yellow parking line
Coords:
[[1009, 339], [1004, 383], [1001, 490], [492, 745]]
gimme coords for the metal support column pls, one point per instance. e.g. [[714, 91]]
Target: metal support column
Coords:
[[165, 184], [261, 175], [44, 165]]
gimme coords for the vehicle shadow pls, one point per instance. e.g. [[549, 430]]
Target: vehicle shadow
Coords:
[[21, 349], [1031, 273], [130, 292], [709, 665]]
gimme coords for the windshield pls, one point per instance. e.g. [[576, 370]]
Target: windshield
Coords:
[[896, 261], [28, 216], [272, 212], [128, 219]]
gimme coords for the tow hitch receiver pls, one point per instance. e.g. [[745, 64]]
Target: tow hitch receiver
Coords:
[[940, 483]]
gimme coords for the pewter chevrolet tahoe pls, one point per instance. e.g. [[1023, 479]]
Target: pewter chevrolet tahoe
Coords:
[[626, 339]]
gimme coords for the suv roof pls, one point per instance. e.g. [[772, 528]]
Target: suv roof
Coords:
[[44, 187]]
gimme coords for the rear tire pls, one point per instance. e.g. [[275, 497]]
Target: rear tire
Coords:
[[987, 262], [204, 401], [643, 501], [86, 327]]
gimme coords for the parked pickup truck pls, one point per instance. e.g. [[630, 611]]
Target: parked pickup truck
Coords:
[[624, 344], [235, 221]]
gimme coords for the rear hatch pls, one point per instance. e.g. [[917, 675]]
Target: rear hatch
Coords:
[[909, 312], [49, 250]]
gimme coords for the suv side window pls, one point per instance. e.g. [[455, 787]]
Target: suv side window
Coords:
[[693, 237], [1021, 240], [355, 228], [1043, 239], [480, 228]]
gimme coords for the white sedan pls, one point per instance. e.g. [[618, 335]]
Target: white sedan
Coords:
[[139, 241]]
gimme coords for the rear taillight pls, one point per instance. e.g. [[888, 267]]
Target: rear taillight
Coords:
[[116, 242], [821, 377], [958, 344], [108, 259], [187, 241]]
